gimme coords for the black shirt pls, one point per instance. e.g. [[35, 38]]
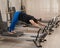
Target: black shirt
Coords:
[[25, 18]]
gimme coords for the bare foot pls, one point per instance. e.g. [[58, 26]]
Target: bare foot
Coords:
[[10, 33], [13, 32]]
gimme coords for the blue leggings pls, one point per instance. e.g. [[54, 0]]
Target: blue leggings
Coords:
[[14, 21]]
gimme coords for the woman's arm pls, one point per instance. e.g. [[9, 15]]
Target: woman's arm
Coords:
[[36, 24], [33, 23], [41, 23]]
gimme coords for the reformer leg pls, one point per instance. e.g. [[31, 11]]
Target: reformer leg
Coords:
[[40, 38], [57, 24]]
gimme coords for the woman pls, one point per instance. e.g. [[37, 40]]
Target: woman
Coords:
[[21, 16]]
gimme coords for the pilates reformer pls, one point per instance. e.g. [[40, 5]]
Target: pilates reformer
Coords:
[[4, 30]]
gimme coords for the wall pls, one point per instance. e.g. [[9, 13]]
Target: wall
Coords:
[[59, 6], [42, 8], [3, 7]]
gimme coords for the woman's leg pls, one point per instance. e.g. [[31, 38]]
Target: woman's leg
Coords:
[[14, 21]]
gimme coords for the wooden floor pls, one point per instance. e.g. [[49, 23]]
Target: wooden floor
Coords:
[[53, 41]]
